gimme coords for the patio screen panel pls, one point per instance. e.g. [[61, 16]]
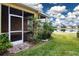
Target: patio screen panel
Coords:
[[4, 19]]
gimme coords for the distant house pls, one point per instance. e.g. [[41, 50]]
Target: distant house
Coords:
[[14, 20]]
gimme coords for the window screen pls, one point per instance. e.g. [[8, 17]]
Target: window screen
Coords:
[[15, 11], [16, 36], [28, 23], [16, 23], [4, 19]]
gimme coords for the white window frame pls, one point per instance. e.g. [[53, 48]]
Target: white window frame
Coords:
[[19, 41]]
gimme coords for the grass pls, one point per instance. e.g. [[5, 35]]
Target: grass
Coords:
[[61, 44]]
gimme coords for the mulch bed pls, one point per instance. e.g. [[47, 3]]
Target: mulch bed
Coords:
[[17, 48]]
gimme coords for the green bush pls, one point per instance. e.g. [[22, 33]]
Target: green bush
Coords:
[[45, 33], [4, 43], [42, 30], [78, 34], [36, 38], [48, 29]]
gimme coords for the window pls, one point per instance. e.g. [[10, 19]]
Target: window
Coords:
[[4, 19], [16, 23], [16, 36], [28, 23], [15, 11]]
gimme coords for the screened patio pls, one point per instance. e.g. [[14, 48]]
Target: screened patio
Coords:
[[16, 23]]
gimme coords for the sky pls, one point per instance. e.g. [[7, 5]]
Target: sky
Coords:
[[69, 6], [62, 13]]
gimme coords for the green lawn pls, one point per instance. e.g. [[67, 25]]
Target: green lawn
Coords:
[[61, 44]]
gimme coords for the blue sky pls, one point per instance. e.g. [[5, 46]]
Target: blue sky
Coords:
[[69, 6], [65, 11]]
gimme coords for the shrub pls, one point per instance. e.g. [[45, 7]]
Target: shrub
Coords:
[[48, 29], [41, 30], [45, 33], [78, 34], [4, 43]]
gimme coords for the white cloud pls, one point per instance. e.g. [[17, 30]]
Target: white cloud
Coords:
[[58, 21], [57, 15], [62, 16], [77, 18], [76, 8], [69, 19], [56, 10], [37, 6], [71, 15], [76, 13]]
